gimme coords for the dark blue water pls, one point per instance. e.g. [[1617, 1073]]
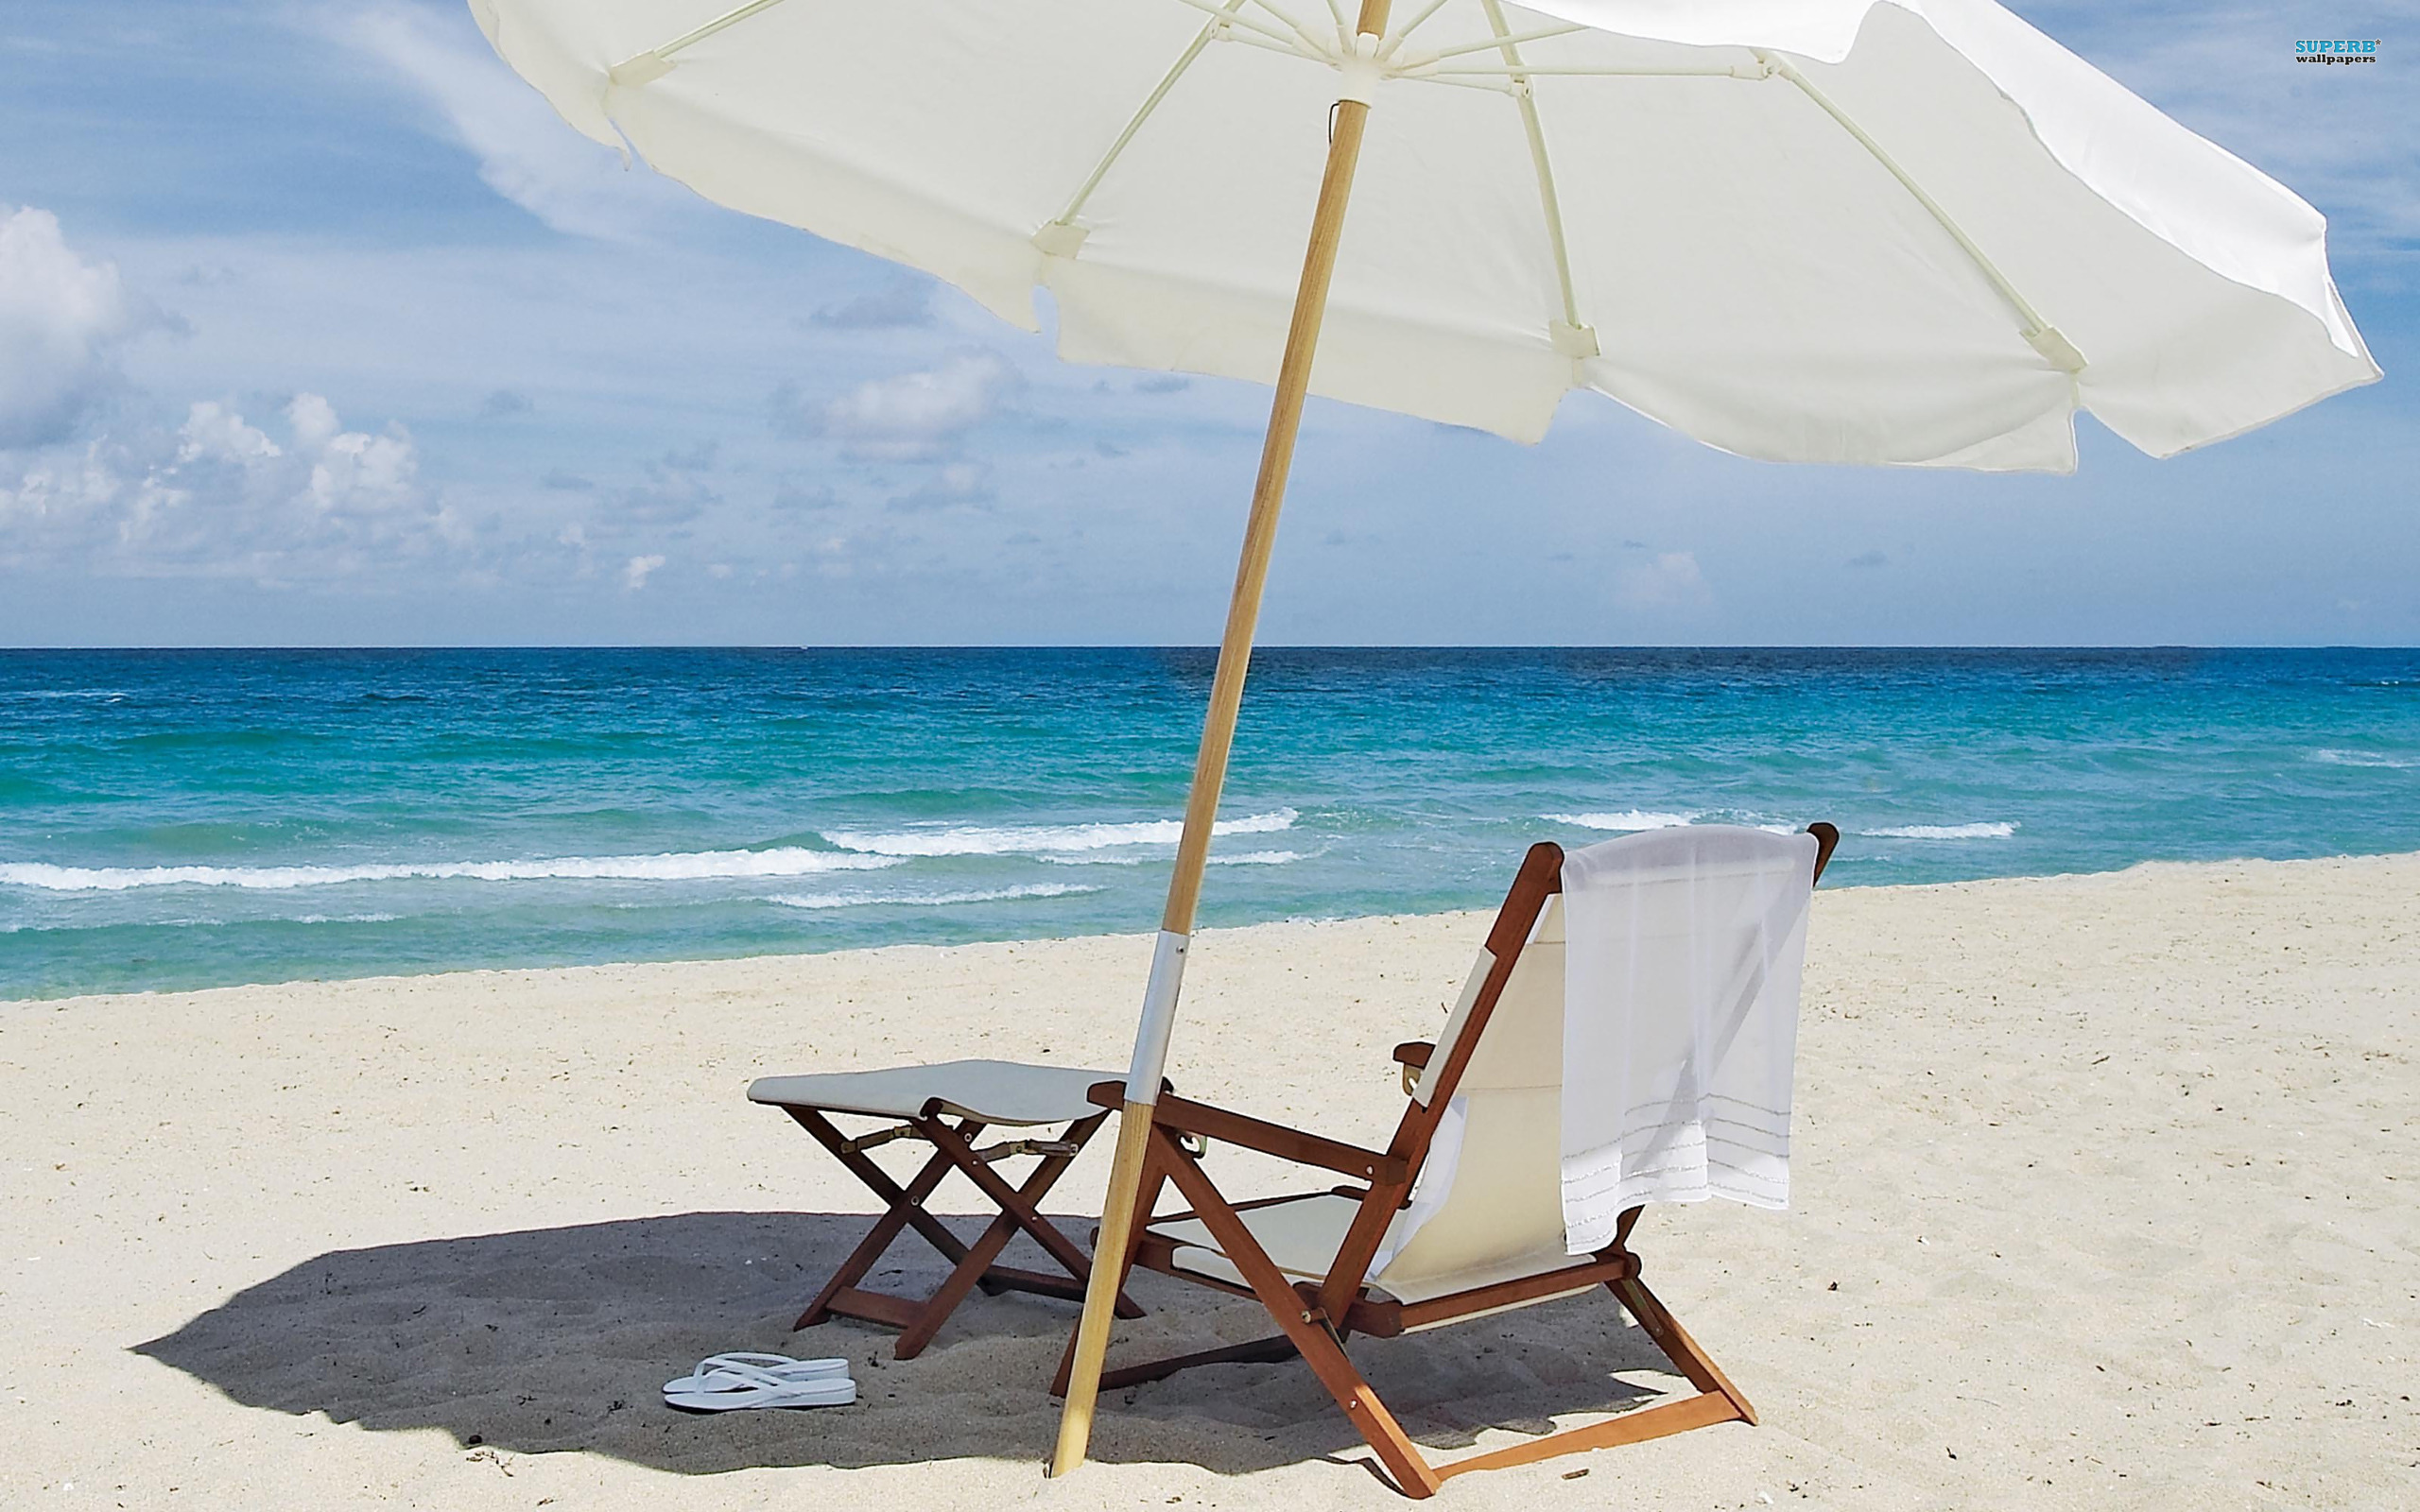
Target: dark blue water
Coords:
[[173, 819]]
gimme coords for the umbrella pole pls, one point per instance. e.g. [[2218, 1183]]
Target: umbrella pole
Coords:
[[1119, 1215]]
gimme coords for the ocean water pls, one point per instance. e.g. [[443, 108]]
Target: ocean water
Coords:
[[179, 819]]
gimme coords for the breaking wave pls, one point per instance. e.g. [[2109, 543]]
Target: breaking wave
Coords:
[[856, 900], [2361, 758], [1015, 839], [785, 861], [1628, 821]]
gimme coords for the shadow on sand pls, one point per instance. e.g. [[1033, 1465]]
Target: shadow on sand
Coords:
[[556, 1339]]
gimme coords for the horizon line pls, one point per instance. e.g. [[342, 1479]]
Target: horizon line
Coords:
[[1212, 646]]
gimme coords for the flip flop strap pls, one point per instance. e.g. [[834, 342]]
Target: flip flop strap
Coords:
[[733, 1375]]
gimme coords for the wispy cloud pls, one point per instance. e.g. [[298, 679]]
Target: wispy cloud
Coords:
[[903, 302], [525, 153], [1670, 581], [671, 490], [956, 484], [2339, 137]]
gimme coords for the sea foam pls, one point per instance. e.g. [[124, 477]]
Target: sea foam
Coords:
[[1258, 858], [785, 861], [1016, 839], [1628, 821], [1942, 832], [860, 900], [2361, 758]]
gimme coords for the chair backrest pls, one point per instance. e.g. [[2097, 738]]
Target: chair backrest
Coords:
[[1488, 1203], [1485, 1125]]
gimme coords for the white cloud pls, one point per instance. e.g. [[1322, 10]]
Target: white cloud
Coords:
[[214, 432], [365, 474], [217, 495], [905, 300], [638, 570], [917, 415], [314, 420], [526, 152], [1670, 581], [61, 322]]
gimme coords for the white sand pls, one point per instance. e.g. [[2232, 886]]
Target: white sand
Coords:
[[2115, 1177]]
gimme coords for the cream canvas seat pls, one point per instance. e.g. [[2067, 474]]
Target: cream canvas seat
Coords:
[[977, 1095], [990, 1092], [1666, 1017]]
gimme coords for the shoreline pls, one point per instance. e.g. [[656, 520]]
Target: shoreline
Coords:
[[713, 961], [2083, 1167]]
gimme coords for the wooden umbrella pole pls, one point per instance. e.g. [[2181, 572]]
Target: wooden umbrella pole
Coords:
[[1119, 1215]]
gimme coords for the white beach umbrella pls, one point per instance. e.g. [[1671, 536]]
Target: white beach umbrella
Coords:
[[1910, 232]]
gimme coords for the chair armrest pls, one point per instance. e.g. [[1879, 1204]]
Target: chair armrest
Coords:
[[1189, 1117], [1415, 1052]]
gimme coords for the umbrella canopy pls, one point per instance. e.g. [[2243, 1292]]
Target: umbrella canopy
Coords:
[[1817, 230], [1848, 231]]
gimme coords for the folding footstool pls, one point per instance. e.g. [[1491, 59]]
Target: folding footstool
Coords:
[[977, 1095]]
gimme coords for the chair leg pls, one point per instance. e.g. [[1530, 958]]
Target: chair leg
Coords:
[[1018, 1210], [1674, 1340], [1717, 1401], [1321, 1349], [971, 1266], [879, 1182], [1259, 1352], [1020, 1206], [906, 1205]]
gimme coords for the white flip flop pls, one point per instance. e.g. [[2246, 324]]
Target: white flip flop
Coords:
[[732, 1385], [703, 1379]]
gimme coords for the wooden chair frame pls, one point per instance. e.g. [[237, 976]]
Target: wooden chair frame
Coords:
[[1315, 1318], [972, 1266]]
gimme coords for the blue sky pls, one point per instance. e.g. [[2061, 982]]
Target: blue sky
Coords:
[[317, 327]]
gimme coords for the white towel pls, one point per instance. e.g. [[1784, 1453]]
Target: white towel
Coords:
[[1680, 1020]]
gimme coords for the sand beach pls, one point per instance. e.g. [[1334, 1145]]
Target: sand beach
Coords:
[[2105, 1197]]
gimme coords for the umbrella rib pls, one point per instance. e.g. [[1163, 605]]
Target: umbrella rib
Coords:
[[1290, 49], [2038, 334], [1509, 44], [1229, 15], [1319, 48], [729, 18], [1396, 39], [1501, 39], [1494, 86], [1150, 103], [1423, 72]]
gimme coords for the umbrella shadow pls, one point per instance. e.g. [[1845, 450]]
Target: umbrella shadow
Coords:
[[548, 1340]]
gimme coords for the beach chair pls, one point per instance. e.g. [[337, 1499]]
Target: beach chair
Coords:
[[1479, 1205], [948, 1106]]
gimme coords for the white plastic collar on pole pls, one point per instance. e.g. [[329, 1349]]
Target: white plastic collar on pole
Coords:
[[1159, 1018], [1360, 70]]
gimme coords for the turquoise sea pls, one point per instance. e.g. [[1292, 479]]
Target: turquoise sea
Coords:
[[187, 819]]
